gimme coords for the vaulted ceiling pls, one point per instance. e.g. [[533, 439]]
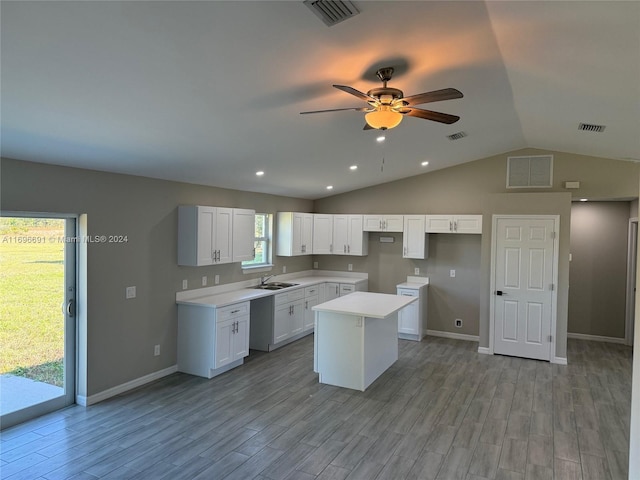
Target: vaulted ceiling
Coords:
[[210, 92]]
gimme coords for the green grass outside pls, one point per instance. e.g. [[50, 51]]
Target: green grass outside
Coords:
[[31, 294]]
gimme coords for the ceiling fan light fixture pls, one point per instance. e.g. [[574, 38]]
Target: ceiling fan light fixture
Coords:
[[383, 118]]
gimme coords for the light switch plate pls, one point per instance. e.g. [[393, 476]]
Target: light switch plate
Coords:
[[131, 292], [184, 284], [216, 279], [452, 273], [416, 271]]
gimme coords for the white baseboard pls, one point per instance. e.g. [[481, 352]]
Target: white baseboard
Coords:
[[484, 350], [559, 360], [596, 338], [455, 336], [117, 390]]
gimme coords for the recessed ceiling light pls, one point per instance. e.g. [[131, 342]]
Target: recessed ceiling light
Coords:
[[259, 173], [353, 167], [583, 199], [381, 138], [329, 187], [424, 164]]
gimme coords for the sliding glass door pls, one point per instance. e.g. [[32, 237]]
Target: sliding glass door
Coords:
[[37, 316]]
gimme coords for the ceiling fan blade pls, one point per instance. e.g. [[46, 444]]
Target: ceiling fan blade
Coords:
[[435, 96], [356, 93], [431, 115], [357, 109], [368, 127]]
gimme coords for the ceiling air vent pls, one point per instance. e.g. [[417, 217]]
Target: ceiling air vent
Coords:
[[534, 171], [590, 127], [457, 136], [332, 12]]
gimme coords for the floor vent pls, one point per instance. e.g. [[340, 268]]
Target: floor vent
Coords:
[[457, 136], [590, 127], [534, 171], [332, 11]]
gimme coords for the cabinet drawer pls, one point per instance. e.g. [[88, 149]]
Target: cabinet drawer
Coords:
[[346, 288], [311, 291], [405, 292], [232, 311], [287, 297]]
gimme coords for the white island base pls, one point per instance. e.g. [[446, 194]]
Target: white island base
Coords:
[[356, 338]]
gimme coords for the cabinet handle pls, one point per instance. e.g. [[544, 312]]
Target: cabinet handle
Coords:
[[455, 226], [344, 249], [336, 289], [254, 253], [404, 250], [235, 311], [384, 224], [306, 305], [348, 248], [450, 226], [380, 225]]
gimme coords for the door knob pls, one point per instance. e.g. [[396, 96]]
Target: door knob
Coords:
[[500, 292]]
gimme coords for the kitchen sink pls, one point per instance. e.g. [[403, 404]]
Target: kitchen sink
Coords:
[[275, 285]]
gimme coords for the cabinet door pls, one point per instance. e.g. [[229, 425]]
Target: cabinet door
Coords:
[[322, 234], [244, 226], [223, 353], [282, 323], [340, 234], [223, 235], [408, 319], [296, 234], [393, 223], [357, 239], [372, 223], [306, 235], [438, 224], [205, 238], [467, 224], [296, 317], [309, 314], [414, 238], [331, 291], [240, 339]]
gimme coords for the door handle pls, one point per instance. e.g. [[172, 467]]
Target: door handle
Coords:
[[500, 292]]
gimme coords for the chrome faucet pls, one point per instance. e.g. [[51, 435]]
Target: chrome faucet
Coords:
[[264, 278]]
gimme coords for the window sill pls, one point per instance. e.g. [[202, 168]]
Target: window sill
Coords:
[[257, 268]]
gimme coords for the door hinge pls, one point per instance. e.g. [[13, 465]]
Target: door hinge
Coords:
[[553, 235], [550, 338], [552, 287]]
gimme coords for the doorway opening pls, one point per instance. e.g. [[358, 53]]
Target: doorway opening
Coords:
[[37, 315]]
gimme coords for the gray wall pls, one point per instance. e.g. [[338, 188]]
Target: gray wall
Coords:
[[479, 187], [597, 298], [121, 333]]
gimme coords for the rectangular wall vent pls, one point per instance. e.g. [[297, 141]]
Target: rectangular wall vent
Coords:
[[457, 136], [533, 171], [590, 127], [332, 11]]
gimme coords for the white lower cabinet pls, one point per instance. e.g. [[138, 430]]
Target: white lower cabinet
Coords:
[[288, 318], [311, 299], [412, 319], [212, 340]]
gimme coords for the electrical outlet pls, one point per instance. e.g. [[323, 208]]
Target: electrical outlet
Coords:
[[204, 281], [452, 273], [216, 279], [130, 292], [350, 267], [156, 350], [315, 264], [184, 284], [284, 269], [458, 323], [416, 271]]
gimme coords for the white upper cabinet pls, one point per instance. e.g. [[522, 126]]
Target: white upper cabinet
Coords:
[[454, 224], [294, 234], [349, 238], [322, 233], [244, 227], [383, 223], [206, 235], [414, 238]]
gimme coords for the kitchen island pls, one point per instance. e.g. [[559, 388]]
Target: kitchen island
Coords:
[[356, 338]]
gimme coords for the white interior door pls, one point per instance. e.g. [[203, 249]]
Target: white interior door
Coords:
[[523, 286]]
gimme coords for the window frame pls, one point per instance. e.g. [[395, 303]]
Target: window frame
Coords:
[[267, 239]]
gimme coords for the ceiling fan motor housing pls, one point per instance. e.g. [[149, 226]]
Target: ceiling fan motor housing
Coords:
[[385, 95]]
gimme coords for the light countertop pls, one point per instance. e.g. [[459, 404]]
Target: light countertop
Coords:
[[366, 304], [243, 292]]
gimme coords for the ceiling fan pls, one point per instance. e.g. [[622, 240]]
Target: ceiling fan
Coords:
[[387, 106]]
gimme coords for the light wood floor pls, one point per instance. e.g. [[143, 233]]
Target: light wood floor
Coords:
[[442, 411]]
